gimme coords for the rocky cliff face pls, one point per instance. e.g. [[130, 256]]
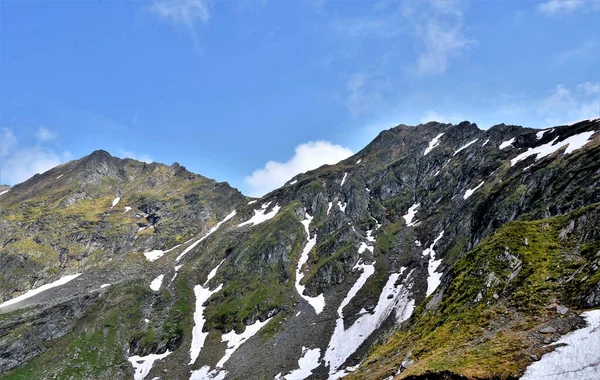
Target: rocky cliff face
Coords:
[[438, 249]]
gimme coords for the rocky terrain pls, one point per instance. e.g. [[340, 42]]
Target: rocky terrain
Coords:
[[437, 251]]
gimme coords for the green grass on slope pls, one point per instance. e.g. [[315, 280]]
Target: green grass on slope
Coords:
[[495, 336]]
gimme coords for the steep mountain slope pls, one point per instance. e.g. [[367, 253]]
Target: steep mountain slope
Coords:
[[441, 249]]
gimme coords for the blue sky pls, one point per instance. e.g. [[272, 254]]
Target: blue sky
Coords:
[[225, 87]]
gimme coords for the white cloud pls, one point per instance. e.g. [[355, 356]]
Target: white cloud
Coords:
[[183, 12], [44, 134], [19, 162], [565, 104], [589, 88], [139, 157], [307, 156], [442, 36], [556, 7]]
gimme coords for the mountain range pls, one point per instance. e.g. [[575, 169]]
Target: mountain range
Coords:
[[438, 251]]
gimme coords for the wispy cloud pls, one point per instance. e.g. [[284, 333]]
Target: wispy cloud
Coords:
[[366, 92], [139, 157], [183, 13], [566, 104], [586, 50], [44, 134], [441, 33], [559, 7], [18, 162], [307, 156]]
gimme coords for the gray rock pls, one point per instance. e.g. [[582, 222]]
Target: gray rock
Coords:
[[548, 330], [562, 310]]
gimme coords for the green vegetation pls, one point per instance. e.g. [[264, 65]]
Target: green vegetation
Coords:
[[499, 295]]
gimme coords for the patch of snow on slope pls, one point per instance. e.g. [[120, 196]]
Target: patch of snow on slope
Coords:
[[261, 215], [307, 362], [293, 182], [433, 143], [127, 208], [143, 364], [252, 202], [205, 373], [507, 143], [485, 142], [573, 143], [115, 201], [318, 303], [344, 179], [329, 207], [541, 134], [470, 192], [156, 283], [341, 207], [198, 336], [234, 341], [344, 342], [61, 281], [212, 230], [410, 214], [203, 293], [4, 191], [433, 280], [359, 161], [367, 271], [104, 286], [465, 147], [577, 360], [154, 255]]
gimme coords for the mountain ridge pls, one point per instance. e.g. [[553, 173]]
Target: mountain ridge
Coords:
[[383, 239]]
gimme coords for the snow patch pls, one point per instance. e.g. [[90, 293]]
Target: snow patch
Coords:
[[344, 179], [541, 134], [252, 202], [573, 143], [59, 176], [143, 364], [205, 373], [410, 214], [156, 283], [341, 207], [433, 280], [127, 208], [234, 341], [344, 342], [433, 143], [61, 281], [104, 286], [578, 359], [470, 192], [307, 362], [261, 215], [465, 147], [485, 142], [318, 303], [154, 255], [293, 182], [212, 230], [507, 143], [359, 161], [115, 201], [4, 191], [198, 336], [329, 207]]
